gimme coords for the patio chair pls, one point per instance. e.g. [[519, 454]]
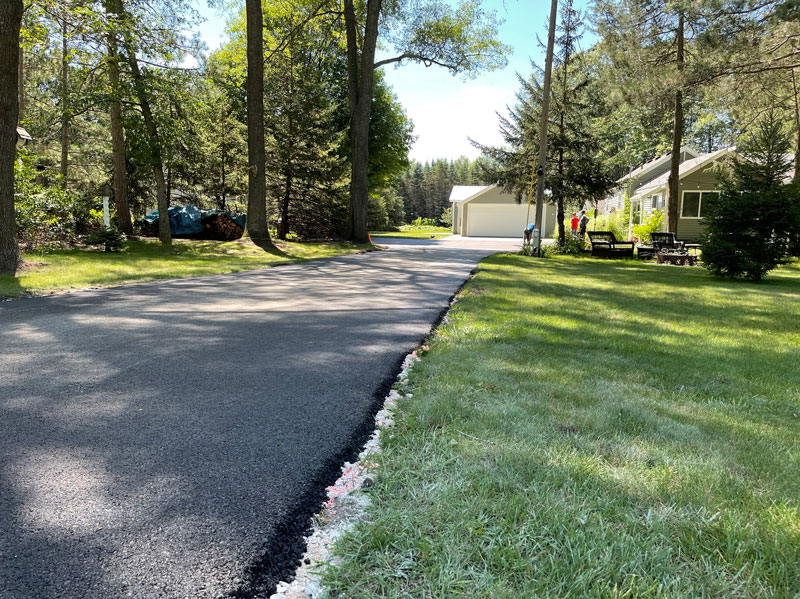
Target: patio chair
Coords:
[[605, 245]]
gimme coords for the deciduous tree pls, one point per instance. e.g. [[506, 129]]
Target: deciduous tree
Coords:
[[461, 39], [10, 23]]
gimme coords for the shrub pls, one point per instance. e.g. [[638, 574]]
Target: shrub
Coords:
[[48, 215], [111, 239], [653, 225], [571, 246], [614, 222], [423, 222], [754, 224], [446, 219]]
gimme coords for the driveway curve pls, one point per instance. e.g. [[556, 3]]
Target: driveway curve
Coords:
[[172, 439]]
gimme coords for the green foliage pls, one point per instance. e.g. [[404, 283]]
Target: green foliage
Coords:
[[425, 188], [754, 224], [446, 218], [653, 225], [570, 246], [384, 210], [576, 169], [48, 215], [614, 222], [462, 38], [423, 222], [110, 239]]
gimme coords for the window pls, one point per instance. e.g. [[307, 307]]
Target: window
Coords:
[[637, 212], [658, 203], [692, 206]]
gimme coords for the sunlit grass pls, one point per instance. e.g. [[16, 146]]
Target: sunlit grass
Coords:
[[412, 232], [148, 260], [588, 428]]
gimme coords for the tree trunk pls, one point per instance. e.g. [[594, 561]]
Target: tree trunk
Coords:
[[152, 133], [673, 182], [118, 137], [64, 103], [10, 23], [360, 75], [21, 85], [257, 185], [796, 177]]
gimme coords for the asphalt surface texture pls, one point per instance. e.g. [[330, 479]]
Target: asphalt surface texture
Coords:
[[173, 439]]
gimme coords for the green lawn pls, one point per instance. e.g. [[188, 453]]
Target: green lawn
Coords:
[[589, 428], [147, 260], [412, 232]]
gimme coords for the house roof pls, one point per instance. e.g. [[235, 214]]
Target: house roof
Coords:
[[465, 193], [648, 166], [686, 168]]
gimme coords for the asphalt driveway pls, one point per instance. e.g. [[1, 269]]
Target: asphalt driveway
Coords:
[[171, 439]]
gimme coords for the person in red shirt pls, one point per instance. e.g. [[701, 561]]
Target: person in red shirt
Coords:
[[574, 225]]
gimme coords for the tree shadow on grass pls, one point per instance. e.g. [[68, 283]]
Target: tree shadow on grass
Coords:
[[11, 287]]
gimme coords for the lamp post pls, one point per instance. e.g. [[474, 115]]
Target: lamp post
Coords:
[[106, 191]]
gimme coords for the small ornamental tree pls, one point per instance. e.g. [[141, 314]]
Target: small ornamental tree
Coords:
[[753, 225]]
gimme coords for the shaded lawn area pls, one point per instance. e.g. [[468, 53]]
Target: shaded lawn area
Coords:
[[589, 428], [148, 260], [412, 232]]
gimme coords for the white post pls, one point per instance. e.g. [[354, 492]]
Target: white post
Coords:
[[106, 215]]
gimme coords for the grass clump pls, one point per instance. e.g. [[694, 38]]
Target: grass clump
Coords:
[[148, 260], [586, 428]]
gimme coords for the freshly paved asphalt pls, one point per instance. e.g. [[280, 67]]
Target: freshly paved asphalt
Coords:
[[171, 439]]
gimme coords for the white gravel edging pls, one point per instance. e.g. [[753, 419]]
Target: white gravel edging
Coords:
[[345, 507]]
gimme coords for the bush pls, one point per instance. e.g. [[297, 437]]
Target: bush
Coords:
[[111, 239], [614, 222], [446, 219], [653, 225], [571, 246], [49, 215], [754, 224], [423, 222]]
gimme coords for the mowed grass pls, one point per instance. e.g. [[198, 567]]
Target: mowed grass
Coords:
[[588, 428], [148, 260], [412, 232]]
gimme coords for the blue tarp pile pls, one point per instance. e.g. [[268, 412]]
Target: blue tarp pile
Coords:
[[191, 222]]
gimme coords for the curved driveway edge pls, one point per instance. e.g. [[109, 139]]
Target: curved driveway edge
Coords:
[[172, 439]]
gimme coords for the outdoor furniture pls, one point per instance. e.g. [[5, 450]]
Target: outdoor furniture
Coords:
[[677, 258], [666, 241], [605, 245], [693, 247], [645, 252]]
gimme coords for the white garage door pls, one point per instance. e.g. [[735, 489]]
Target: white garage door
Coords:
[[497, 220]]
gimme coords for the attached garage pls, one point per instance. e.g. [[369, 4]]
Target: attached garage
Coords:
[[487, 211]]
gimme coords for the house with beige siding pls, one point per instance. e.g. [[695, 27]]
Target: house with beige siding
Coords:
[[488, 211], [647, 189]]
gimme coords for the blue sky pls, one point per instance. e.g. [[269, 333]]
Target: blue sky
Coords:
[[448, 110]]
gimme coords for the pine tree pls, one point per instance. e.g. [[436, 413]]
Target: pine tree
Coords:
[[753, 225]]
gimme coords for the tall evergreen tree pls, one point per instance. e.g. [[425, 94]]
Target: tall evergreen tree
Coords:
[[753, 225], [576, 170]]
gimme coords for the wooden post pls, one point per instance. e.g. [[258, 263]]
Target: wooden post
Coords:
[[548, 69]]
